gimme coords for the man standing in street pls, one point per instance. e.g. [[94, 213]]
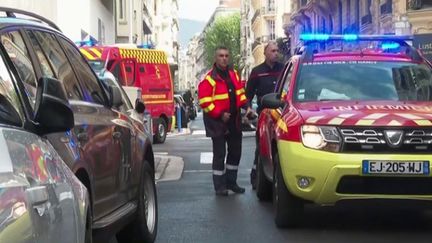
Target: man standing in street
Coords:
[[262, 81], [221, 96]]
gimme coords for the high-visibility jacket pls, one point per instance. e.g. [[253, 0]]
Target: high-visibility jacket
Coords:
[[213, 93]]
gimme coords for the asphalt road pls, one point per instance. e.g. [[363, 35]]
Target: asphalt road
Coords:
[[190, 212]]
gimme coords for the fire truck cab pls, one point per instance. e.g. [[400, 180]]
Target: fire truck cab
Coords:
[[143, 69]]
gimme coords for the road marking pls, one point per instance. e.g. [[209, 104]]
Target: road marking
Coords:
[[161, 153], [206, 157], [198, 132]]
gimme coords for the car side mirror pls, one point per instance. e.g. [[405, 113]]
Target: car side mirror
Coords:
[[272, 101], [139, 106], [52, 110]]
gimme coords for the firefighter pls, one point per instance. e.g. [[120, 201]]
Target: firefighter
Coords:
[[262, 81], [221, 96]]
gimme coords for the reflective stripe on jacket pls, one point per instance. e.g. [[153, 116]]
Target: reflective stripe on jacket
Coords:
[[213, 94]]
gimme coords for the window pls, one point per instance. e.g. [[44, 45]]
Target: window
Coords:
[[122, 10], [17, 52], [353, 81], [272, 29], [45, 66], [59, 62], [129, 67], [92, 90], [284, 89], [271, 5], [8, 97]]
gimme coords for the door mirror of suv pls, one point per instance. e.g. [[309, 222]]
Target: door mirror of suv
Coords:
[[52, 110], [115, 96], [272, 101]]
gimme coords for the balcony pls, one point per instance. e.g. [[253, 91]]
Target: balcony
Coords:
[[386, 8], [256, 14], [269, 10]]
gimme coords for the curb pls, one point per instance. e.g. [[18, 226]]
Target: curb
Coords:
[[161, 163], [168, 168], [185, 131]]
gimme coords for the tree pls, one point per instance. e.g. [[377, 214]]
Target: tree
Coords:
[[225, 31]]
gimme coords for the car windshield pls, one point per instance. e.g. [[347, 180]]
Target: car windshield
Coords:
[[363, 80], [97, 66]]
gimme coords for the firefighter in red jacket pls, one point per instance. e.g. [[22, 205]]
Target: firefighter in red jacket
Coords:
[[221, 96]]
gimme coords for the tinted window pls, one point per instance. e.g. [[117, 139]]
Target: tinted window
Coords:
[[47, 70], [365, 80], [57, 58], [9, 101], [92, 90], [286, 81], [17, 51]]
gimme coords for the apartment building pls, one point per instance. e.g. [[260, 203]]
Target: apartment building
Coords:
[[400, 17]]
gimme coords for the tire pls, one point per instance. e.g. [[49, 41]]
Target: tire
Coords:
[[144, 227], [263, 186], [88, 227], [161, 131], [288, 209]]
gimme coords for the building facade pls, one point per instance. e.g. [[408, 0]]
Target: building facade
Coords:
[[400, 17], [165, 35], [267, 23], [95, 19]]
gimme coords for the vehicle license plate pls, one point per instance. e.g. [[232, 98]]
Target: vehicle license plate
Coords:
[[395, 167]]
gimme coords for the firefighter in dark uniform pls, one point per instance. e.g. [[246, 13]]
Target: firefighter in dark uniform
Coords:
[[221, 96], [262, 81]]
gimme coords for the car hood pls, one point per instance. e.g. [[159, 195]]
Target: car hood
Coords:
[[370, 113]]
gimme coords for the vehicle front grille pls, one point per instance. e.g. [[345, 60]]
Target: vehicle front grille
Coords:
[[373, 139], [385, 185]]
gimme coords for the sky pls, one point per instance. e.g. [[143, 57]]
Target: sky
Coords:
[[197, 9]]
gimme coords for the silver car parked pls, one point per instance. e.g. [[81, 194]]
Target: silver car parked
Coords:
[[41, 200]]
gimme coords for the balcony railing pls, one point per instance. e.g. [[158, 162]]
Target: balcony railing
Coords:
[[367, 19], [268, 11], [386, 8], [256, 14]]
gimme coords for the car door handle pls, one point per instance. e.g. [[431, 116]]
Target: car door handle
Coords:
[[37, 195], [116, 135], [82, 137]]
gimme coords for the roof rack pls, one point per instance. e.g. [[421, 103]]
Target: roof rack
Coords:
[[10, 12], [307, 50]]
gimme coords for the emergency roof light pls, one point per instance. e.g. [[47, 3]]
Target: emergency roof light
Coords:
[[86, 43], [389, 43], [353, 37]]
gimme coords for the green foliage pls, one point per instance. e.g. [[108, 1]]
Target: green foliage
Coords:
[[225, 31]]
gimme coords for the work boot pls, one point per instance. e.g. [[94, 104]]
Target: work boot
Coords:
[[253, 179], [221, 192], [236, 188]]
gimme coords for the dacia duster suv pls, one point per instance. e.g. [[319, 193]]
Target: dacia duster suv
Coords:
[[106, 149], [350, 123]]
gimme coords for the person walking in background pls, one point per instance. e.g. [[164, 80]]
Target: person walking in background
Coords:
[[262, 81], [221, 96]]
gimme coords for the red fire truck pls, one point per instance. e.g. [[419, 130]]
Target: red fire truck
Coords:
[[146, 69]]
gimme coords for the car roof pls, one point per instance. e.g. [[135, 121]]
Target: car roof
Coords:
[[10, 21]]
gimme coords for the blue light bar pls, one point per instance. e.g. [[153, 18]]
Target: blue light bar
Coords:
[[314, 37], [389, 46], [350, 37], [353, 37]]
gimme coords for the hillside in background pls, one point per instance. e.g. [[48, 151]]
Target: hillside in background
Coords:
[[188, 28]]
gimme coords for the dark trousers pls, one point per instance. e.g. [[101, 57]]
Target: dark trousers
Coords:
[[226, 175]]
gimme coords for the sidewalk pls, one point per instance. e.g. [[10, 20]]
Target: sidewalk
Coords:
[[167, 167]]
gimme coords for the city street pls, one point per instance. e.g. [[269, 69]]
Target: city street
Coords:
[[190, 212]]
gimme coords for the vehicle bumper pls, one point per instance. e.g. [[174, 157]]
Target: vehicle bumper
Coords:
[[327, 171]]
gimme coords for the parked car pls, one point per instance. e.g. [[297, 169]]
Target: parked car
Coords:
[[40, 198], [106, 149], [180, 103]]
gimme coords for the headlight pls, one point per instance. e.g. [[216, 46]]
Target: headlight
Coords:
[[321, 137]]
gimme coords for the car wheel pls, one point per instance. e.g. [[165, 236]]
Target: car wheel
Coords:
[[288, 209], [161, 131], [263, 186], [144, 227], [88, 227]]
